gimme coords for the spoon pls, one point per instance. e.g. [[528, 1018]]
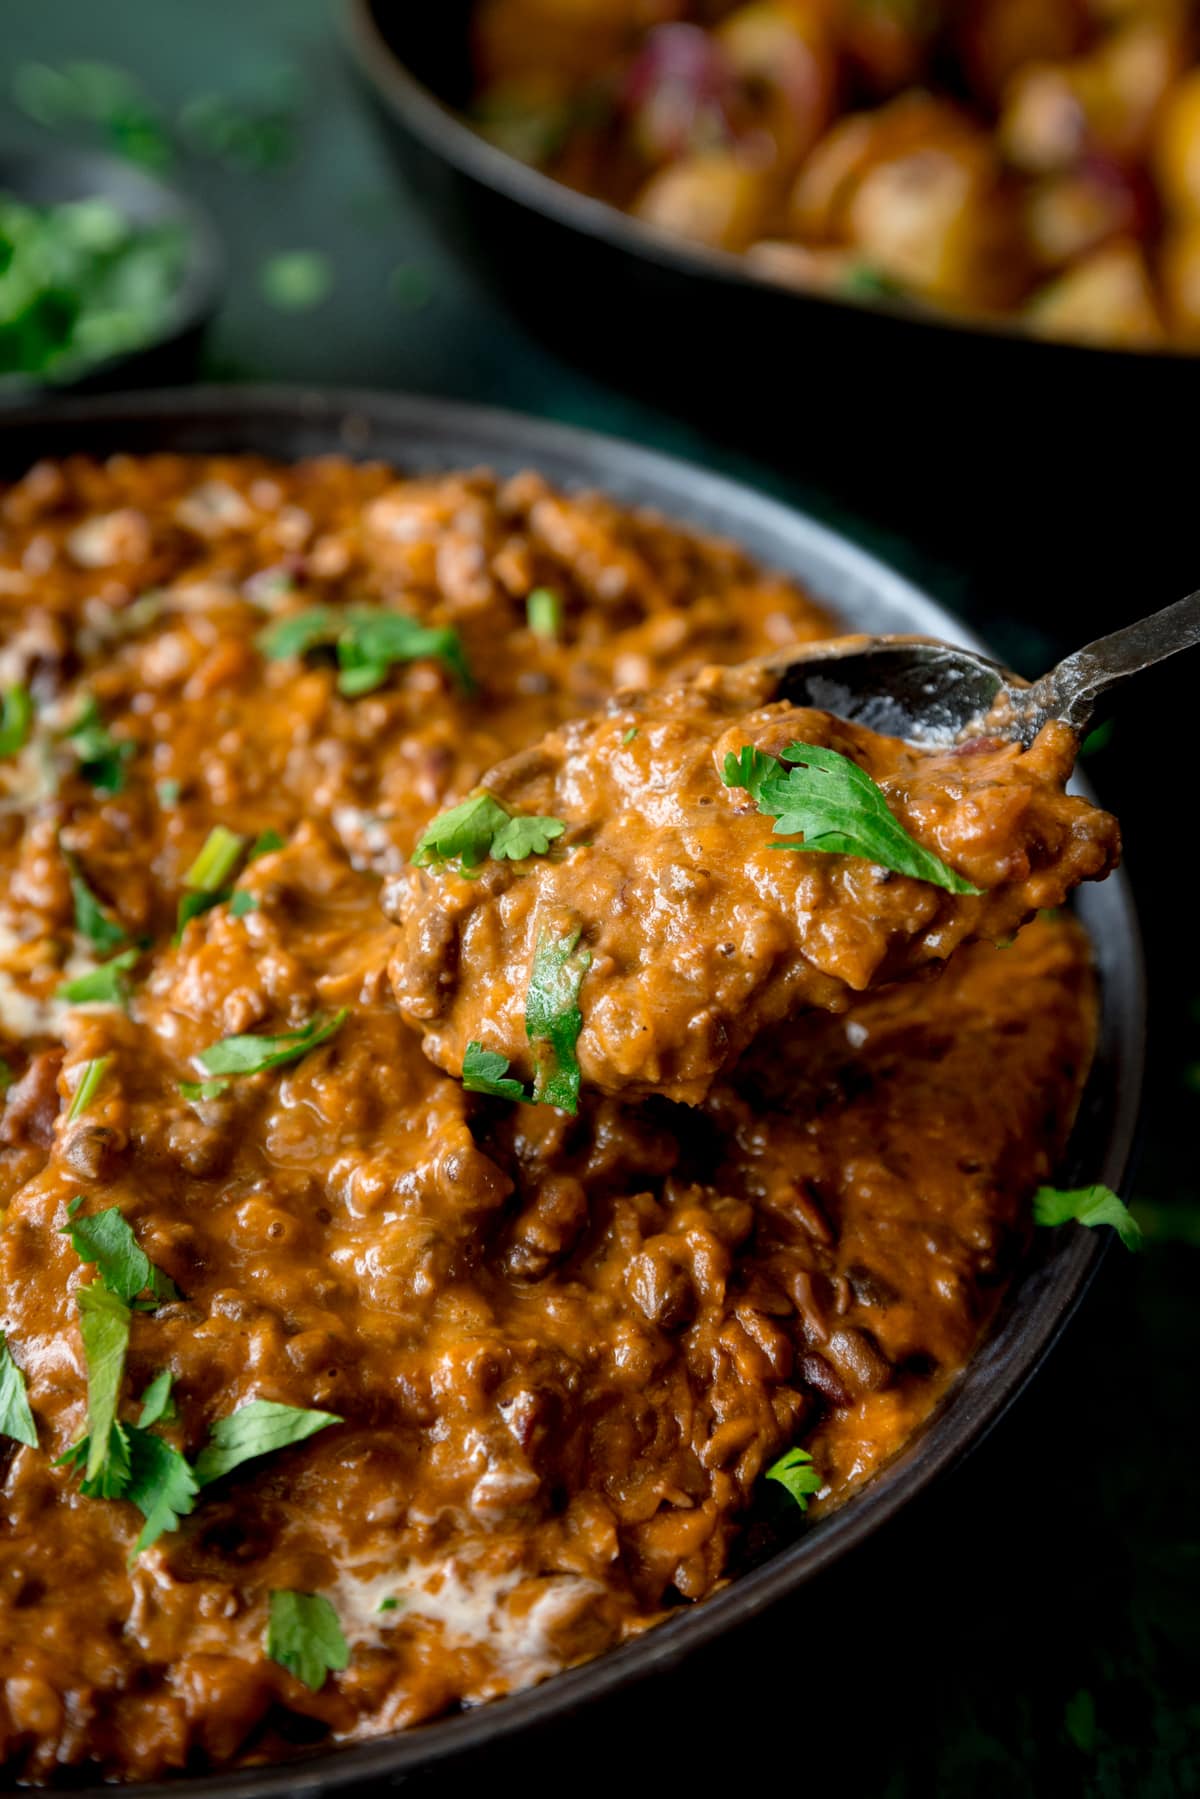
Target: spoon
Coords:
[[933, 693]]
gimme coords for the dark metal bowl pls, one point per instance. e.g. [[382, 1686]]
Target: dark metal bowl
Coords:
[[51, 177], [757, 363], [422, 434]]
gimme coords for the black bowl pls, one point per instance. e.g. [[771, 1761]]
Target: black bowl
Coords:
[[49, 178], [420, 434], [961, 434]]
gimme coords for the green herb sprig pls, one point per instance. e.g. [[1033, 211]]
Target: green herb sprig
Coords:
[[101, 756], [795, 1473], [107, 985], [368, 642], [1090, 1206], [16, 1419], [553, 1021], [464, 837], [305, 1636], [16, 720], [837, 807]]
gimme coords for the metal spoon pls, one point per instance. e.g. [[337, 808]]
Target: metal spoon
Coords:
[[930, 692]]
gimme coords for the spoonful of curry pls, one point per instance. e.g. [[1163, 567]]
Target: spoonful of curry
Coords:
[[630, 902]]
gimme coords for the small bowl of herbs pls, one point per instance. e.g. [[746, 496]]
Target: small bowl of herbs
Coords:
[[108, 276]]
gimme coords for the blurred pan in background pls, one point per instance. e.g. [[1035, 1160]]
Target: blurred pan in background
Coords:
[[1044, 464]]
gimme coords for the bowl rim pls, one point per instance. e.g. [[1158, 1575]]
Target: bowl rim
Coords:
[[192, 301], [430, 119], [1052, 1281]]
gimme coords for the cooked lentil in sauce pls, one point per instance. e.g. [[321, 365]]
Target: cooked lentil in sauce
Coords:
[[561, 1351]]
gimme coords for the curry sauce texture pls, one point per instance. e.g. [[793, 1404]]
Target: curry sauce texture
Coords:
[[540, 1362]]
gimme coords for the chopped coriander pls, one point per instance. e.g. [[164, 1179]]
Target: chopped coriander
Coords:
[[241, 903], [158, 1407], [296, 280], [16, 1419], [160, 1482], [104, 1326], [252, 1055], [258, 1428], [206, 880], [92, 920], [480, 827], [168, 793], [553, 1019], [101, 756], [486, 1071], [107, 1240], [203, 1089], [305, 1637], [265, 844], [543, 611], [88, 1085], [388, 1605], [16, 719], [1090, 1206], [795, 1473], [107, 985], [628, 736], [838, 808], [367, 641]]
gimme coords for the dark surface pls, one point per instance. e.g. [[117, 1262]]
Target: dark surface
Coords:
[[1063, 1559]]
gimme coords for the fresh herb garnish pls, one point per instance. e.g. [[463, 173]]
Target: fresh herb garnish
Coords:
[[838, 808], [158, 1407], [107, 985], [106, 1239], [241, 903], [258, 1428], [161, 1483], [480, 827], [251, 1055], [92, 920], [628, 736], [1087, 1205], [88, 1085], [101, 756], [486, 1071], [104, 1325], [553, 1019], [265, 844], [543, 612], [16, 1419], [368, 642], [794, 1472], [206, 880], [305, 1637], [203, 1089], [168, 793], [16, 719]]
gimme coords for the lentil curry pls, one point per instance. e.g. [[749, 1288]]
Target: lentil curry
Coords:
[[379, 1396]]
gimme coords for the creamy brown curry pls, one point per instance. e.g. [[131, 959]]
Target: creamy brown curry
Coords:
[[562, 1350]]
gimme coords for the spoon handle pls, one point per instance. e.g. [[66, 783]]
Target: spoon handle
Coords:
[[1070, 691]]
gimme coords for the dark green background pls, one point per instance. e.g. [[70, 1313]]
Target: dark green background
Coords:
[[1032, 1627]]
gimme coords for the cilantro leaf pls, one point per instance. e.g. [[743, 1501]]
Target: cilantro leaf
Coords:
[[16, 1419], [525, 836], [485, 1071], [795, 1473], [106, 1239], [258, 1428], [838, 808], [104, 1326], [1087, 1205], [160, 1482], [203, 1089], [158, 1407], [101, 756], [88, 1085], [369, 641], [241, 903], [749, 769], [103, 986], [251, 1055], [481, 827], [543, 612], [553, 1019], [91, 918], [265, 844], [16, 719], [305, 1637]]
